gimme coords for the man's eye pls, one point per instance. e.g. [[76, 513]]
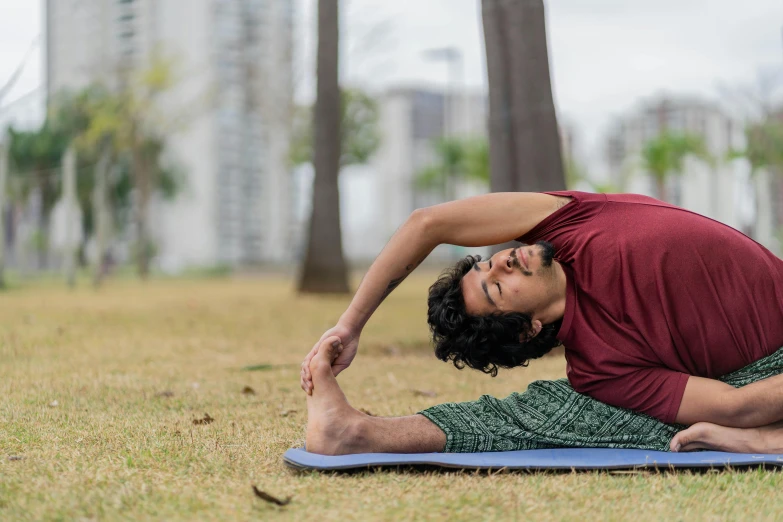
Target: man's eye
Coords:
[[499, 290], [490, 264]]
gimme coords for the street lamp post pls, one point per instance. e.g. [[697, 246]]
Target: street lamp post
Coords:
[[453, 112], [452, 108], [453, 58]]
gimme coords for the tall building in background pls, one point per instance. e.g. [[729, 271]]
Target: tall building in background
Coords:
[[375, 199], [713, 190], [410, 121], [234, 59]]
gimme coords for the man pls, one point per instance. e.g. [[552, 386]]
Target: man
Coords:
[[653, 304]]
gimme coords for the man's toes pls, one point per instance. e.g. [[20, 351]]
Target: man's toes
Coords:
[[326, 355], [695, 434], [330, 348], [681, 440], [676, 444]]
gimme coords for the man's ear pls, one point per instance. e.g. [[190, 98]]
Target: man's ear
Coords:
[[535, 329]]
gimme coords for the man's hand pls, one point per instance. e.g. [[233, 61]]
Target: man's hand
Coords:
[[350, 339]]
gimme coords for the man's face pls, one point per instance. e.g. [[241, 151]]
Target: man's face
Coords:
[[514, 280]]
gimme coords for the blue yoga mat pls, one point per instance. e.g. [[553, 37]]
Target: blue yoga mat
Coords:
[[542, 459]]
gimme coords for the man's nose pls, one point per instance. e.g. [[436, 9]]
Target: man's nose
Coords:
[[506, 263]]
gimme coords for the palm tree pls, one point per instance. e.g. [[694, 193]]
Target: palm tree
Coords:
[[764, 152], [360, 139], [455, 159], [4, 167], [35, 168], [524, 139], [324, 269], [3, 183], [663, 157], [129, 121]]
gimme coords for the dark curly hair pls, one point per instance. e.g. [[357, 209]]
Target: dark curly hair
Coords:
[[485, 342]]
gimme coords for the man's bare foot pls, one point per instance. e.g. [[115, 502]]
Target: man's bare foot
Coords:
[[333, 426], [704, 435]]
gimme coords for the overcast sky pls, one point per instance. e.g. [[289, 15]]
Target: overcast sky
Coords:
[[605, 54]]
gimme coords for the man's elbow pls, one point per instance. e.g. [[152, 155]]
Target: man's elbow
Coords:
[[422, 220]]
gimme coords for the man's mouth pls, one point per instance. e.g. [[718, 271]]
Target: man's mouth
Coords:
[[523, 259]]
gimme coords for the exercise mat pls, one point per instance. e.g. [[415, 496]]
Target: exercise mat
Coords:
[[534, 460]]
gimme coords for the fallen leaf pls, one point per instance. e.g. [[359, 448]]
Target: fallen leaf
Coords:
[[247, 390], [424, 393], [165, 394], [284, 413], [367, 412], [206, 420], [54, 404], [269, 498], [15, 457]]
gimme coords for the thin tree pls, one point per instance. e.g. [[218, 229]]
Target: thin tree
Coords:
[[525, 152], [360, 136], [324, 269], [71, 207], [456, 159], [101, 213], [132, 122], [3, 182], [663, 157], [764, 153], [4, 90]]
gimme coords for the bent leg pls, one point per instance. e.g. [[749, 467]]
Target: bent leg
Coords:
[[336, 428], [704, 435]]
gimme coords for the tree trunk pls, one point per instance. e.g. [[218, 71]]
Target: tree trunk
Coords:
[[43, 215], [3, 179], [501, 131], [141, 174], [525, 151], [70, 203], [663, 192], [764, 226], [324, 269], [101, 215]]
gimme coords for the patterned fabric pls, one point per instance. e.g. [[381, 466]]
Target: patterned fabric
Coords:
[[550, 414]]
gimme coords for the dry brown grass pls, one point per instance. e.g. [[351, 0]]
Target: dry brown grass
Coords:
[[130, 368]]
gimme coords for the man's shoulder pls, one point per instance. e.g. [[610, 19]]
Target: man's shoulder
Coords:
[[638, 199]]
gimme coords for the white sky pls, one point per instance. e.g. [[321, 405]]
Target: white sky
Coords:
[[605, 54]]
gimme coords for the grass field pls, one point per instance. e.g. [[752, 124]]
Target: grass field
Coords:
[[99, 392]]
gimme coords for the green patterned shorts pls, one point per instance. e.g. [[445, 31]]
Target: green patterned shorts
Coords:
[[550, 414]]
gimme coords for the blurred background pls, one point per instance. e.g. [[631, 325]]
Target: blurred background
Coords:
[[176, 136]]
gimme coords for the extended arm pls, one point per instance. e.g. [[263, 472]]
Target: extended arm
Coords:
[[478, 221], [754, 405], [473, 222]]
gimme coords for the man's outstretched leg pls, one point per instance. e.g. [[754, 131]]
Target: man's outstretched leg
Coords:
[[704, 435], [336, 428]]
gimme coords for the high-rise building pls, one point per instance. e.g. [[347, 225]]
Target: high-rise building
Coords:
[[234, 64], [410, 121], [713, 189]]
